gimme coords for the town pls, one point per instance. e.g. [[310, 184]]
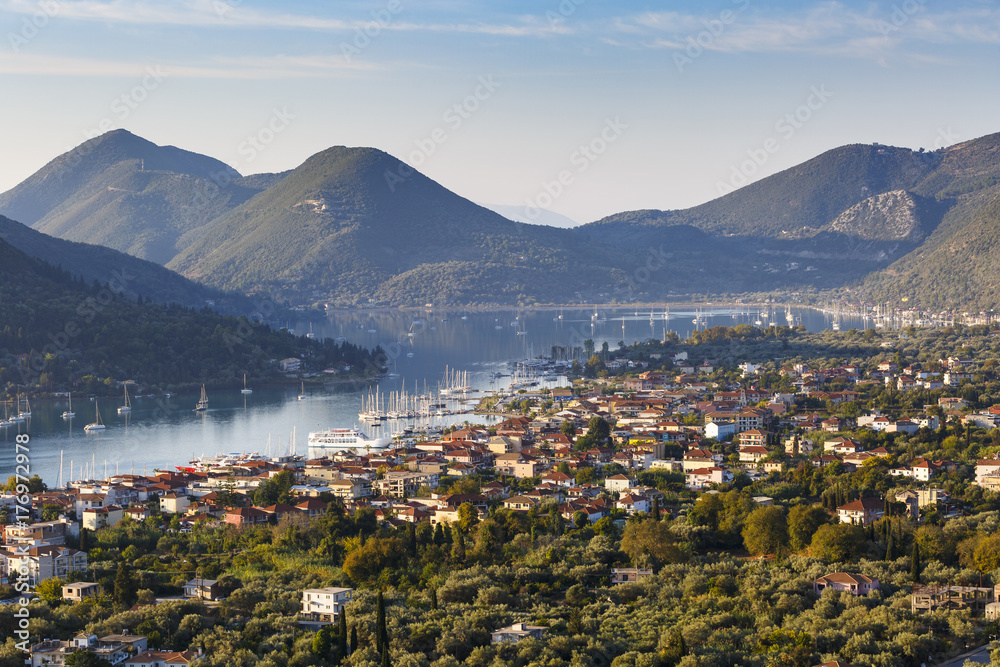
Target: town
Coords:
[[783, 487]]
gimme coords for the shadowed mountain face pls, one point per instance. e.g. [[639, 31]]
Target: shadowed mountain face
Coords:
[[353, 226], [129, 275]]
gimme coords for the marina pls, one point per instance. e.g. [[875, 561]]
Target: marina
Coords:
[[461, 352]]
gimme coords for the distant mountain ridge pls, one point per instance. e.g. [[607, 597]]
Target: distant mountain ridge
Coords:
[[887, 222], [124, 192]]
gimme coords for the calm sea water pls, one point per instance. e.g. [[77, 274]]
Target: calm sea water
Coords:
[[163, 432]]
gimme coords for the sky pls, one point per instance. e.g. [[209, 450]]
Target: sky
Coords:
[[580, 107]]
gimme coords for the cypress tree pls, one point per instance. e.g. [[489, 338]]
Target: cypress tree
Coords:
[[890, 553], [342, 640], [656, 508], [354, 639], [915, 564], [438, 535], [379, 622], [458, 552], [411, 539], [434, 598]]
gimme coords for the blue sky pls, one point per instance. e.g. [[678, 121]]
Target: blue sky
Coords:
[[586, 107]]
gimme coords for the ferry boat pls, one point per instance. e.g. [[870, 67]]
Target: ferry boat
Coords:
[[347, 439]]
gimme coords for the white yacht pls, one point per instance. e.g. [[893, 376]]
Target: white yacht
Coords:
[[347, 439], [97, 425], [127, 408], [69, 414], [202, 402], [245, 389]]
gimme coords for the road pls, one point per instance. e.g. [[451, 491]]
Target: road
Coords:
[[980, 655]]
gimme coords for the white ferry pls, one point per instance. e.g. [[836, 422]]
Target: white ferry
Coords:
[[344, 439]]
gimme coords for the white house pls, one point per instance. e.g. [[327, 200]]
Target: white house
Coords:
[[325, 604]]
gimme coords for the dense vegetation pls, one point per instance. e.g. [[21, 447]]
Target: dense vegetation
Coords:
[[58, 333], [733, 578]]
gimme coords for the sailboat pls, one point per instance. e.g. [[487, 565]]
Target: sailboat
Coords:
[[246, 389], [69, 414], [27, 409], [202, 402], [6, 423], [127, 408], [17, 416], [97, 425], [302, 392]]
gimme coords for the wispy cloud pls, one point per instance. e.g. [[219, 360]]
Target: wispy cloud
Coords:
[[220, 13], [830, 28], [255, 67]]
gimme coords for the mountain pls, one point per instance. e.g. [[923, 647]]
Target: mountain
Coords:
[[356, 225], [124, 192], [543, 217], [128, 275], [887, 222], [60, 333], [959, 263]]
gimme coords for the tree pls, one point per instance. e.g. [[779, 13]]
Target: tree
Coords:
[[837, 542], [380, 623], [915, 563], [987, 554], [803, 522], [342, 639], [322, 645], [50, 590], [85, 659], [468, 517], [125, 586], [656, 508], [434, 598], [765, 531], [650, 544]]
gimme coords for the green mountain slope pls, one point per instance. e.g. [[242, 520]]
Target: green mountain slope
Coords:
[[128, 275], [121, 191], [57, 332], [345, 227]]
